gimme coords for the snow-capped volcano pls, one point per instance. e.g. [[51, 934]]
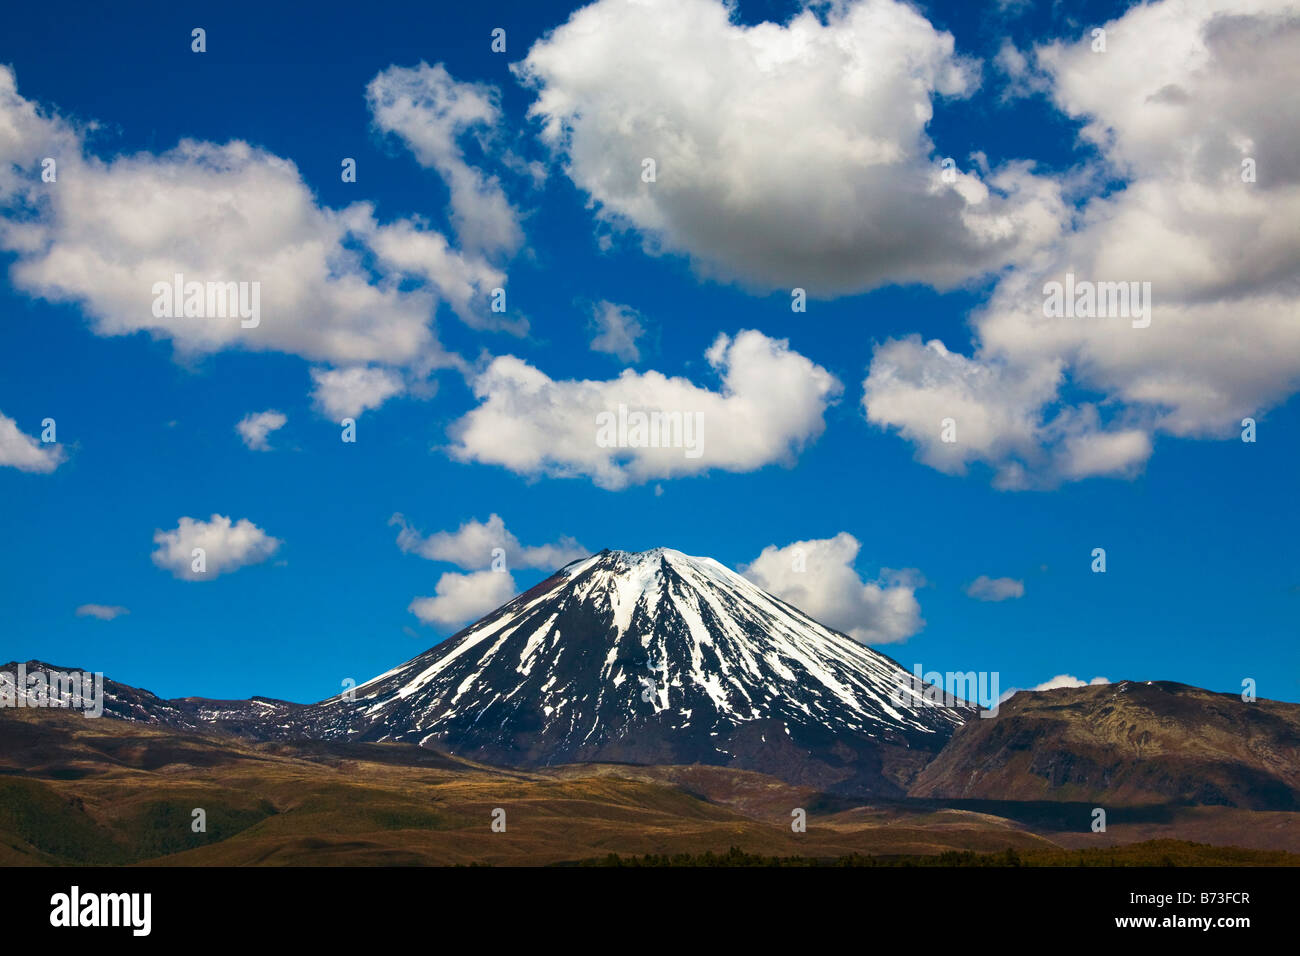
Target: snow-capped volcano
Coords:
[[654, 657]]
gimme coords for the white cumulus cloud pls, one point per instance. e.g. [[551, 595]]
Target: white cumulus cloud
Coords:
[[461, 598], [1191, 107], [227, 546], [333, 286], [819, 578], [347, 392], [785, 155], [770, 404], [471, 546]]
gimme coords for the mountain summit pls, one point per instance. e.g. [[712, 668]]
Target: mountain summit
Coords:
[[654, 657]]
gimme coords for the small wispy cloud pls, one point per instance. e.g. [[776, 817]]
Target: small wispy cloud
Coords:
[[254, 428], [617, 327], [1068, 680], [1060, 680], [104, 612], [21, 451], [985, 588]]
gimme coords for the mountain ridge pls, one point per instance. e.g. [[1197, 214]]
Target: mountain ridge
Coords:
[[661, 658], [651, 657], [1130, 742]]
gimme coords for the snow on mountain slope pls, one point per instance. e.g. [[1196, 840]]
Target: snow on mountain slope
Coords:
[[654, 657]]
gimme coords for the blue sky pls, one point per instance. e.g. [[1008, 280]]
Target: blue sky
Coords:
[[1202, 582]]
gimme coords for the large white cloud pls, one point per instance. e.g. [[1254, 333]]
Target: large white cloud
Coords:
[[462, 598], [334, 286], [1185, 93], [471, 546], [818, 577], [227, 546], [771, 402], [20, 450], [786, 155]]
